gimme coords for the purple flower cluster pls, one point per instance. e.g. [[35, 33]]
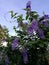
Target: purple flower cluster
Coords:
[[45, 23], [15, 43], [28, 6], [46, 17], [25, 56], [41, 33], [33, 26], [22, 50], [6, 60]]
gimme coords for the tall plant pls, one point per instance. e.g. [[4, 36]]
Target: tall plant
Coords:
[[29, 47]]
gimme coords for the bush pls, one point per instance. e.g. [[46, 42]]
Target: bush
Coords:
[[29, 47]]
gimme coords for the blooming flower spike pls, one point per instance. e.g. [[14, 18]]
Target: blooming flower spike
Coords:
[[46, 16], [24, 54], [33, 26], [25, 57], [6, 60], [15, 43], [41, 33], [28, 6], [45, 23]]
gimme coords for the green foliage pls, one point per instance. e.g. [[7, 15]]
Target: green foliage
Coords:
[[13, 15]]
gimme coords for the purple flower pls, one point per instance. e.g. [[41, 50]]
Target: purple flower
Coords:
[[46, 17], [28, 6], [30, 30], [41, 33], [15, 43], [33, 26], [6, 60], [45, 23], [25, 56]]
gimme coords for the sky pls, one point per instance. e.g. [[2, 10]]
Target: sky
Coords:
[[17, 6]]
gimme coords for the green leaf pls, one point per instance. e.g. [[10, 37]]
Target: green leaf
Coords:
[[13, 15], [24, 9]]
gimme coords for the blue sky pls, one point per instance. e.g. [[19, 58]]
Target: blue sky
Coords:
[[17, 6]]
